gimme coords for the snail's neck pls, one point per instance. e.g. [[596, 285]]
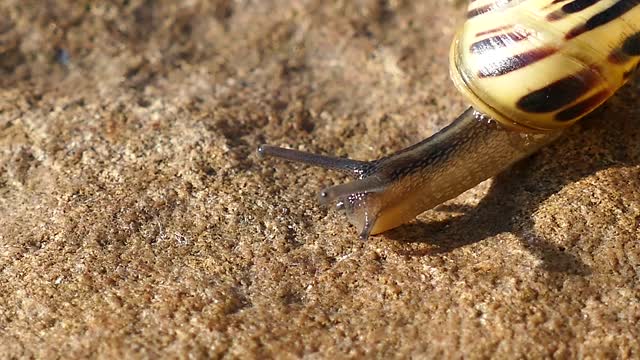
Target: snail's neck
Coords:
[[457, 158]]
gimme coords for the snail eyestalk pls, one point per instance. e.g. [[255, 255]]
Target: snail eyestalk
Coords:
[[323, 161], [370, 184]]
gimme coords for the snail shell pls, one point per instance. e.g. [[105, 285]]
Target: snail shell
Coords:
[[544, 64], [533, 66]]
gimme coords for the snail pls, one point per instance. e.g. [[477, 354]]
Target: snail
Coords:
[[530, 68]]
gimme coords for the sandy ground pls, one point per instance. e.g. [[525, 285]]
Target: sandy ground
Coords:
[[137, 220]]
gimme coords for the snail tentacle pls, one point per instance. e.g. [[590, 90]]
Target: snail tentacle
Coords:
[[349, 166]]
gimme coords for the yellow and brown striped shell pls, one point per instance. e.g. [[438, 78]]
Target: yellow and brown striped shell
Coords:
[[544, 64]]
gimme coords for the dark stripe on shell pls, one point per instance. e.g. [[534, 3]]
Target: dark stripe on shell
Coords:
[[560, 93], [618, 57], [498, 41], [583, 107], [512, 63], [494, 30], [556, 15], [631, 45], [613, 12], [629, 48], [479, 11], [570, 8], [577, 5], [487, 8]]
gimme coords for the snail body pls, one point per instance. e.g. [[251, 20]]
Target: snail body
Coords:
[[530, 69]]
